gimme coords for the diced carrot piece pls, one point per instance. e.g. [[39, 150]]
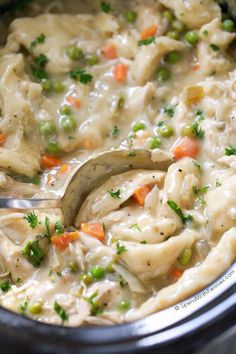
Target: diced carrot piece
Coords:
[[63, 169], [48, 161], [120, 72], [148, 32], [3, 138], [74, 101], [196, 66], [94, 229], [62, 241], [176, 273], [109, 51], [186, 147], [141, 193]]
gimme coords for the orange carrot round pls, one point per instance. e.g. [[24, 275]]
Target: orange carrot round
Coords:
[[186, 147], [48, 161], [94, 229], [109, 51], [141, 193], [148, 32], [120, 72], [62, 241], [74, 101]]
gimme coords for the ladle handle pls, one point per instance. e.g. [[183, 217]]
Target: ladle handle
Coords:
[[15, 203]]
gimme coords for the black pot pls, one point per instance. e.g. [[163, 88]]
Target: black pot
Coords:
[[202, 324], [181, 329]]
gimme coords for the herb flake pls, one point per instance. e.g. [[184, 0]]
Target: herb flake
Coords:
[[32, 220], [5, 286], [231, 150], [178, 211], [60, 311], [115, 195], [147, 41], [120, 248], [105, 7], [81, 75], [34, 253]]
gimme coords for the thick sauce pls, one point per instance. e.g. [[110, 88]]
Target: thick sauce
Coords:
[[78, 78]]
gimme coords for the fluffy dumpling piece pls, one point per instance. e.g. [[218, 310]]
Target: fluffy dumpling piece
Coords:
[[221, 206], [155, 260], [193, 279], [194, 13], [100, 202], [149, 57]]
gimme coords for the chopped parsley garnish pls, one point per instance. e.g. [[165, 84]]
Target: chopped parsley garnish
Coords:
[[39, 40], [60, 311], [231, 150], [197, 164], [169, 110], [199, 132], [23, 308], [59, 228], [96, 308], [81, 75], [47, 226], [120, 249], [214, 47], [205, 33], [199, 116], [135, 226], [147, 41], [178, 211], [41, 60], [5, 286], [33, 253], [218, 184], [202, 190], [115, 195], [115, 132], [39, 73], [105, 7], [143, 242], [32, 220], [121, 102]]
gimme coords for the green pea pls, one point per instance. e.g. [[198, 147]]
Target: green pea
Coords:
[[110, 268], [130, 16], [165, 131], [53, 147], [124, 305], [97, 272], [191, 37], [228, 25], [68, 123], [58, 86], [47, 128], [173, 35], [46, 84], [36, 308], [163, 74], [73, 266], [139, 126], [92, 60], [74, 53], [87, 279], [154, 143], [65, 109], [185, 257], [169, 16], [173, 57], [178, 26], [188, 130]]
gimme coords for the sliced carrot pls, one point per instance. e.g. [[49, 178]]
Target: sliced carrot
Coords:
[[74, 101], [186, 147], [63, 169], [94, 229], [120, 72], [196, 67], [141, 193], [109, 51], [62, 241], [148, 32], [3, 138], [48, 161], [176, 273]]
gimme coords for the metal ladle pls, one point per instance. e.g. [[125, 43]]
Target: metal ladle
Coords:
[[87, 176]]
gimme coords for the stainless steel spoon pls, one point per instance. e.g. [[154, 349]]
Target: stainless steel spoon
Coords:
[[86, 177]]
